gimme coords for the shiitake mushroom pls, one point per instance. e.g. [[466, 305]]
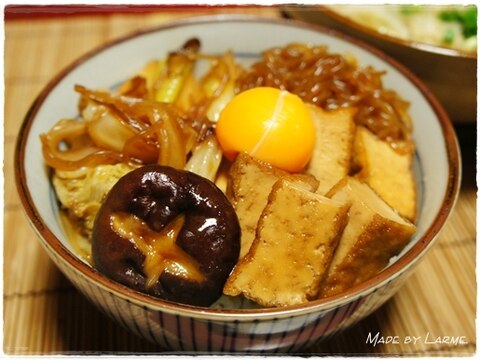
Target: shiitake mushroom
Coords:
[[169, 233]]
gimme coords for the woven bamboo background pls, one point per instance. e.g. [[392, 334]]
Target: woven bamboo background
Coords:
[[45, 314]]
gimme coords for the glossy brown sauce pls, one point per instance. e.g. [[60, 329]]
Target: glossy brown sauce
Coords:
[[160, 248]]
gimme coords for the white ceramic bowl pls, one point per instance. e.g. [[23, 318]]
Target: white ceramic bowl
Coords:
[[181, 327]]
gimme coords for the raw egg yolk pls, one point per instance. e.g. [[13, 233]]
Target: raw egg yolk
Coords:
[[269, 124]]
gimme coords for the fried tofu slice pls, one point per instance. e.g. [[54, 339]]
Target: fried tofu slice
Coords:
[[335, 134], [251, 182], [387, 172], [373, 235], [294, 244]]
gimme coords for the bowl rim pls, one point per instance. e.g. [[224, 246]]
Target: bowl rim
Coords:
[[49, 240], [417, 45]]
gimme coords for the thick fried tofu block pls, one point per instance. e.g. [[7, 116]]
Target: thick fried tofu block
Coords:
[[250, 184], [373, 235], [388, 172], [294, 244], [335, 133]]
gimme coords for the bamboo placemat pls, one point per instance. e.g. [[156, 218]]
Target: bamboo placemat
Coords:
[[45, 314]]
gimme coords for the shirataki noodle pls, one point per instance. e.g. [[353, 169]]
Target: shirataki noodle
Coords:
[[331, 81]]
